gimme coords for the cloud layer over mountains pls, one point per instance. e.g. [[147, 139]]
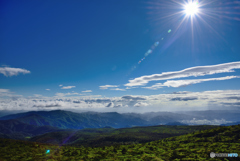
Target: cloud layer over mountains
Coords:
[[176, 101]]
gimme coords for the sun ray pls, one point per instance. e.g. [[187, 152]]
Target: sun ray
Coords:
[[212, 29], [176, 13], [180, 23], [181, 4], [194, 13]]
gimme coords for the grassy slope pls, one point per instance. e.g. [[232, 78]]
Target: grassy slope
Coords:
[[194, 146]]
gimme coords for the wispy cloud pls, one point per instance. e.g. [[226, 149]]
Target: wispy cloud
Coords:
[[180, 83], [193, 71], [4, 90], [117, 89], [8, 93], [47, 89], [8, 71], [37, 95], [87, 91], [108, 86], [60, 85], [67, 94], [68, 87], [183, 98]]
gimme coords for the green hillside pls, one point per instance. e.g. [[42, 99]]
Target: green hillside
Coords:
[[194, 146], [110, 136]]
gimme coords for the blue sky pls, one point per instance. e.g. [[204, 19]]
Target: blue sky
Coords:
[[83, 45]]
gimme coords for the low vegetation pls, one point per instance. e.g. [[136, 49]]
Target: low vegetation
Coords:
[[193, 146]]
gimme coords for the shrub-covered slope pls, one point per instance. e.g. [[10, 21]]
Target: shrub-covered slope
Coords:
[[195, 146]]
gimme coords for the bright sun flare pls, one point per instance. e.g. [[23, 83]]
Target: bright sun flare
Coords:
[[191, 8]]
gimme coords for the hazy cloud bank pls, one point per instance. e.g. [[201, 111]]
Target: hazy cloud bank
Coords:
[[205, 122], [176, 101]]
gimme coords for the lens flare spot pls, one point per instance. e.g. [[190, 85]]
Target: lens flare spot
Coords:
[[47, 151], [149, 51], [156, 43]]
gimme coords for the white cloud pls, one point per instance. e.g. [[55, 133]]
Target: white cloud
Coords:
[[37, 95], [134, 98], [108, 86], [4, 90], [8, 93], [193, 71], [67, 94], [8, 71], [139, 104], [60, 85], [119, 105], [118, 89], [87, 91], [180, 83], [47, 89], [68, 87], [5, 93]]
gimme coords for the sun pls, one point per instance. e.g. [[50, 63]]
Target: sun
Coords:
[[191, 8]]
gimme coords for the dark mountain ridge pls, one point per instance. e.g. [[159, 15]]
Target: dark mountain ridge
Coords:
[[16, 129], [70, 120]]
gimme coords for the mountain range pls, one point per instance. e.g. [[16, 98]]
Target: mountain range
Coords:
[[33, 123], [15, 129]]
